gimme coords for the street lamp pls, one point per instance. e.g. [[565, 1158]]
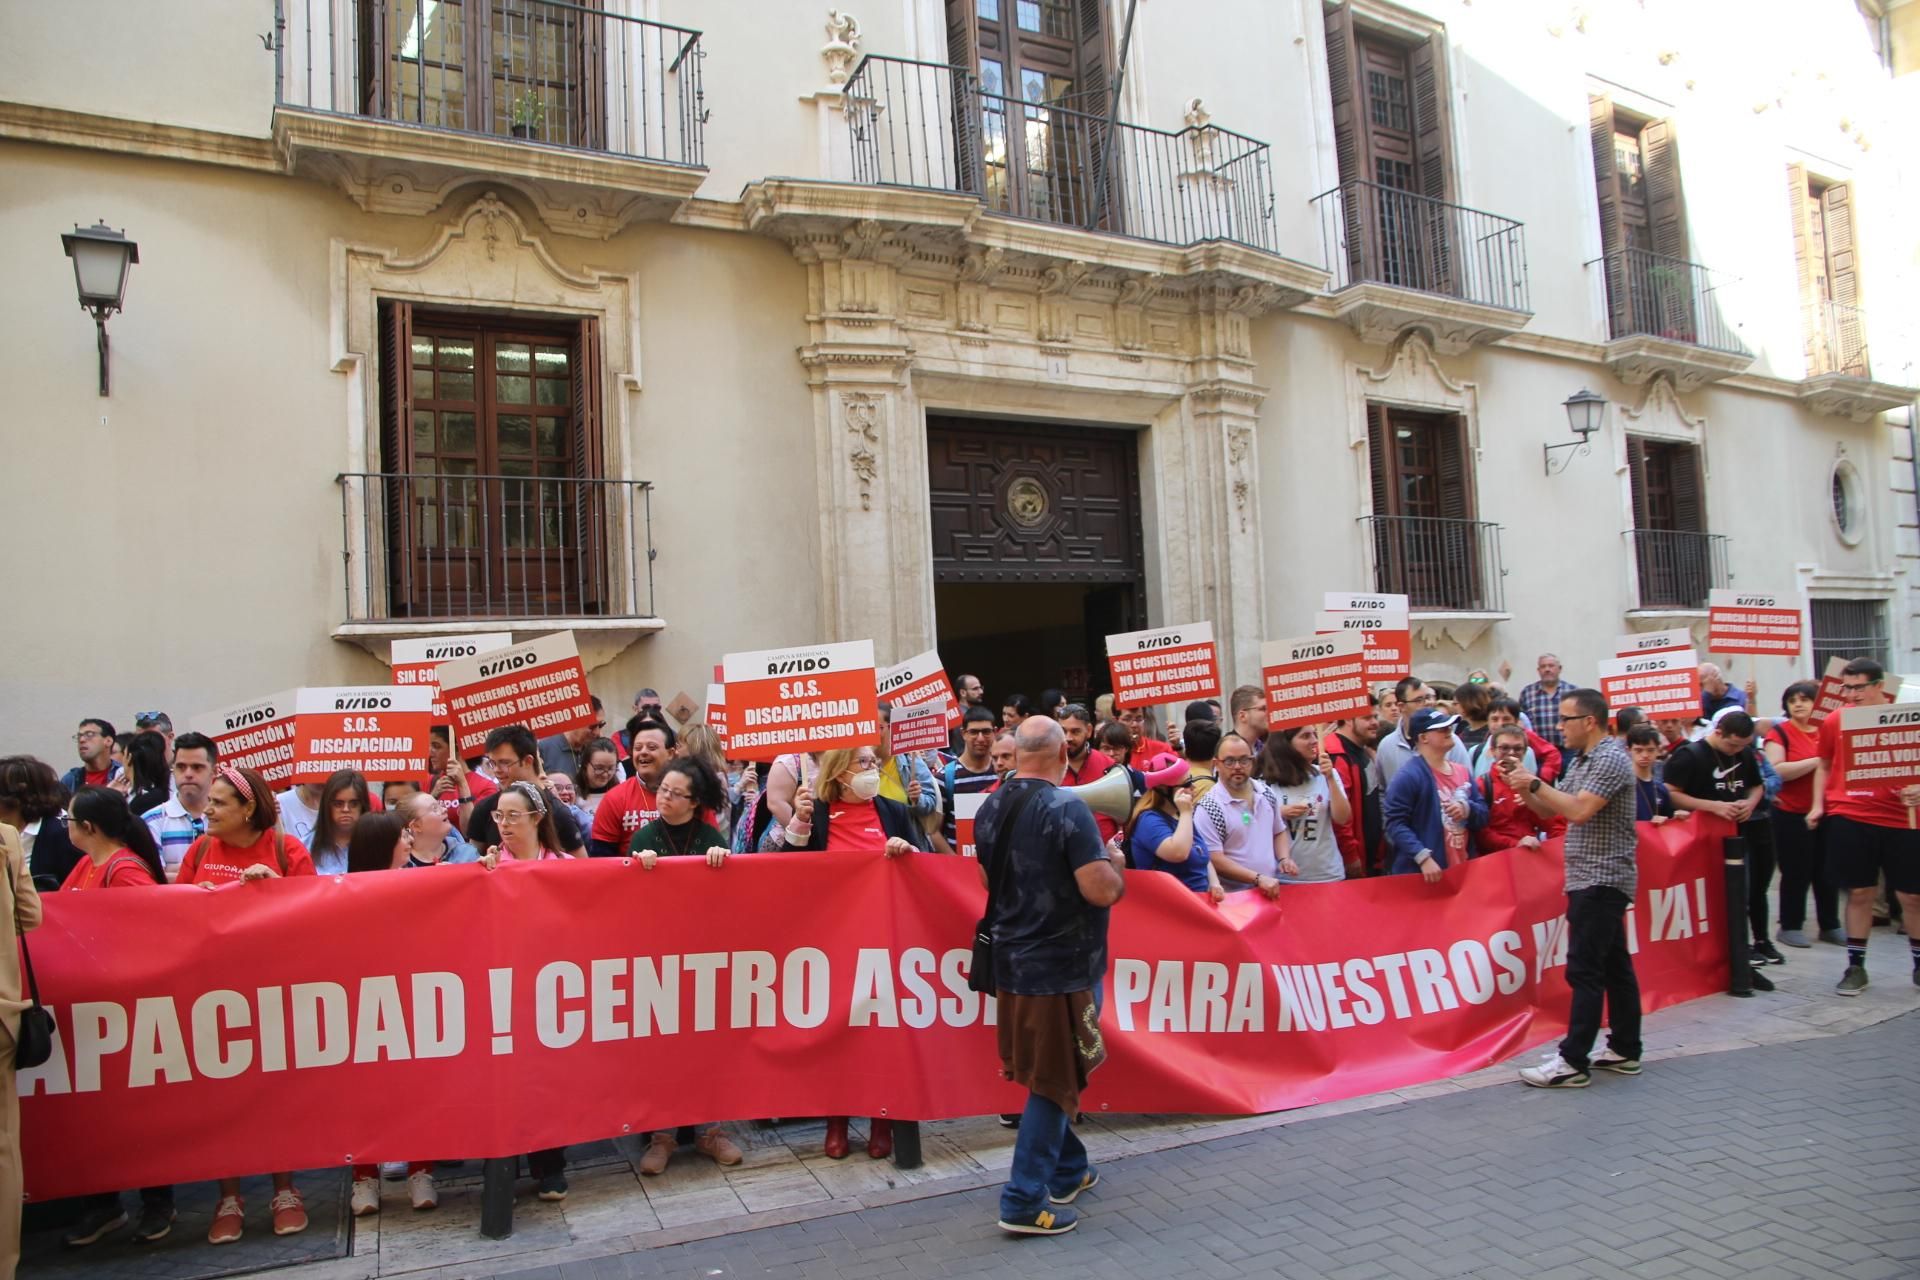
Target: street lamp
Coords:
[[101, 258], [1584, 410]]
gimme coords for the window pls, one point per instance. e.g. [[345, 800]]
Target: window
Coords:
[[1844, 491], [1679, 562], [490, 464], [1827, 263], [1849, 629], [1426, 541], [1643, 232]]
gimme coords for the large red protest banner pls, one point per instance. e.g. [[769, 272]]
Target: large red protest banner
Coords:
[[1166, 665], [1314, 679], [416, 660], [380, 732], [540, 684], [461, 1011], [255, 735], [814, 698], [1752, 622]]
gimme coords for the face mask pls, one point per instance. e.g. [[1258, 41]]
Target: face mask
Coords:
[[865, 786]]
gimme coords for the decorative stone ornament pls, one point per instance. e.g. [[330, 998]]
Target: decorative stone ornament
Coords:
[[843, 46]]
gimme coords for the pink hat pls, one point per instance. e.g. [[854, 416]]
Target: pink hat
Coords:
[[1165, 770]]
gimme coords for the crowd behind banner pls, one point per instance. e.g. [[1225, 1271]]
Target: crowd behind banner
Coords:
[[1216, 797]]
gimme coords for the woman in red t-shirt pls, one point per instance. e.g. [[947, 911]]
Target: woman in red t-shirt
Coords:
[[1793, 748], [244, 842]]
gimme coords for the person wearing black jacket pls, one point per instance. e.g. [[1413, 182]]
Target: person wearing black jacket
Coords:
[[33, 802], [1719, 774]]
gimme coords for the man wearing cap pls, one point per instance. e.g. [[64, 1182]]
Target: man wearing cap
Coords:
[[1431, 803], [1411, 695]]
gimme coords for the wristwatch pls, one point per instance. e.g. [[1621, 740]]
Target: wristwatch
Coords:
[[1533, 787]]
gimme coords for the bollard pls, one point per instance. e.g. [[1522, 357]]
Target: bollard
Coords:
[[1739, 950], [906, 1144], [496, 1196]]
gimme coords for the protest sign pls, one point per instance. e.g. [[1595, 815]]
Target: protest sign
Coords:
[[919, 681], [812, 698], [1752, 622], [416, 661], [1314, 679], [914, 729], [1829, 699], [1881, 745], [717, 710], [1169, 664], [1389, 651], [540, 684], [1672, 640], [966, 807], [1362, 602], [381, 732], [254, 735], [1664, 685]]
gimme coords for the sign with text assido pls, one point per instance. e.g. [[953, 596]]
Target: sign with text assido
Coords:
[[1752, 622], [1672, 640], [1389, 651], [1881, 745], [916, 729], [1361, 602], [1171, 664], [540, 684], [815, 698], [920, 681], [1314, 679], [415, 661], [381, 732], [1664, 685], [255, 735]]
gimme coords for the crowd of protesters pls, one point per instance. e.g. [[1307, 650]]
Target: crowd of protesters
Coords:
[[1425, 777]]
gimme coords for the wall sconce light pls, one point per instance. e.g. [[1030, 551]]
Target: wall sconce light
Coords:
[[101, 259], [1584, 411]]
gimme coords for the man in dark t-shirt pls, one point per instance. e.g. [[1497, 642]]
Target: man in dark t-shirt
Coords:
[[1719, 774], [515, 756]]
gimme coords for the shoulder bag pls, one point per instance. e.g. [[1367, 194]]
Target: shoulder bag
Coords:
[[33, 1043], [980, 975]]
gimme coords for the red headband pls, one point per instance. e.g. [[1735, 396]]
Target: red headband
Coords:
[[238, 779]]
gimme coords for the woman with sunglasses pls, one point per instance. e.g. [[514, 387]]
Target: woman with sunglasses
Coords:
[[344, 800]]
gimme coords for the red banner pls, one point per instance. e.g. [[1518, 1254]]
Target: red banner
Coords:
[[814, 698], [256, 1027], [540, 684], [1314, 679], [1830, 699], [920, 681], [255, 735], [1389, 653], [1881, 745], [1172, 664], [417, 661], [1752, 622], [378, 731], [1664, 685]]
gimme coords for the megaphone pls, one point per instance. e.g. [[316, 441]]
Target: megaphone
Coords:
[[1110, 796]]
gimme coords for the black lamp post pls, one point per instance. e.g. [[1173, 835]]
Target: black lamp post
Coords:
[[101, 259], [1584, 410]]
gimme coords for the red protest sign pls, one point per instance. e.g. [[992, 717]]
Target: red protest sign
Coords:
[[1664, 685], [416, 661], [916, 729], [255, 735], [920, 681], [814, 698], [1314, 679], [1171, 664], [1672, 640], [1828, 699], [540, 684], [1752, 622], [717, 710], [1881, 745], [1364, 602], [379, 731], [966, 807], [1389, 636]]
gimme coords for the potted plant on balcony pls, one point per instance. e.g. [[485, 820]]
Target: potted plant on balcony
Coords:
[[526, 116]]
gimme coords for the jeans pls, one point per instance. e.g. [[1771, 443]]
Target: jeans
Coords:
[[1759, 838], [1600, 971], [1803, 866], [1048, 1156]]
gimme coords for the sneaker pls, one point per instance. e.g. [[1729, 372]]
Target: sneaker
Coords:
[[394, 1170], [1010, 1122], [553, 1187], [1088, 1181], [421, 1190], [366, 1196], [1042, 1222], [1761, 982], [1608, 1060], [290, 1213], [95, 1223], [1555, 1073], [156, 1223], [228, 1220], [1853, 981], [718, 1145], [1766, 953], [659, 1152], [1794, 938], [1838, 937]]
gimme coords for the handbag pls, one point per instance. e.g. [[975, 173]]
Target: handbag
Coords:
[[980, 973], [33, 1042]]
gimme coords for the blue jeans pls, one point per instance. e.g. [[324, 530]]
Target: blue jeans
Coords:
[[1048, 1157]]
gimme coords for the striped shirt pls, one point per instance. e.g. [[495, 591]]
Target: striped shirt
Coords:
[[1601, 850], [173, 830]]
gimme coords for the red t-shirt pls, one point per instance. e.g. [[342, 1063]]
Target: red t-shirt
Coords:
[[1796, 796], [1147, 748], [99, 778], [1877, 806], [215, 861], [623, 811], [1509, 821], [854, 826], [1095, 768], [121, 871]]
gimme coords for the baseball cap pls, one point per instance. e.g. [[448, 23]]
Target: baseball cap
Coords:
[[1428, 718]]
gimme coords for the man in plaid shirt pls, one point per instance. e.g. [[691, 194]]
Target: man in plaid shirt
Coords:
[[1541, 700]]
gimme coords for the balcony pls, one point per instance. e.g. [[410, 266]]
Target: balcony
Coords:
[[1666, 315], [596, 117], [1676, 568], [1840, 378], [1441, 565], [1401, 260]]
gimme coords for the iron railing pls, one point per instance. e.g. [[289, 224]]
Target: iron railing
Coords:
[[1677, 568], [1376, 235], [544, 70], [1656, 296], [452, 546], [1848, 629], [1840, 341], [1438, 563], [932, 126]]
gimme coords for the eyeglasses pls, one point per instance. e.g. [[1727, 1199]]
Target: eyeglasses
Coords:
[[511, 815], [1856, 688], [665, 794], [986, 732], [1243, 762], [84, 734]]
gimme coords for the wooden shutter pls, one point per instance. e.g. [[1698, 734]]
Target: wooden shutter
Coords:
[[1456, 476], [1689, 503], [394, 493], [590, 523], [1457, 578], [1666, 209], [1432, 119], [1613, 232], [967, 124], [1091, 90], [1386, 496], [375, 57], [1843, 279], [1637, 480], [1349, 98], [1800, 211], [588, 52]]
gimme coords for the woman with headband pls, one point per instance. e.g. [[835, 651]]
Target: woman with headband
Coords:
[[527, 832], [244, 842]]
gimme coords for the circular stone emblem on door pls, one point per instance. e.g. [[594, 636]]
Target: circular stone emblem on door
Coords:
[[1026, 502]]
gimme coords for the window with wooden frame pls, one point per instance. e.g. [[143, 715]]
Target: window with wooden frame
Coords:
[[491, 486], [1427, 541], [1827, 264], [1643, 223], [1673, 552]]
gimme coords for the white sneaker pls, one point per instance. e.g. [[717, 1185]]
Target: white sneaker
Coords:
[[1555, 1073], [420, 1187], [366, 1196]]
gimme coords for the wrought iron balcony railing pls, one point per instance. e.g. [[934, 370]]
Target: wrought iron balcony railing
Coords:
[[1656, 296], [932, 126], [1678, 568], [1377, 235], [542, 70], [1438, 563]]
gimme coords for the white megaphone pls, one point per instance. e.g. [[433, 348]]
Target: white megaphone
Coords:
[[1110, 795]]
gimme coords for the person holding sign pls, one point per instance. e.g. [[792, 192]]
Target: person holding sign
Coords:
[[1869, 830], [1793, 748]]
